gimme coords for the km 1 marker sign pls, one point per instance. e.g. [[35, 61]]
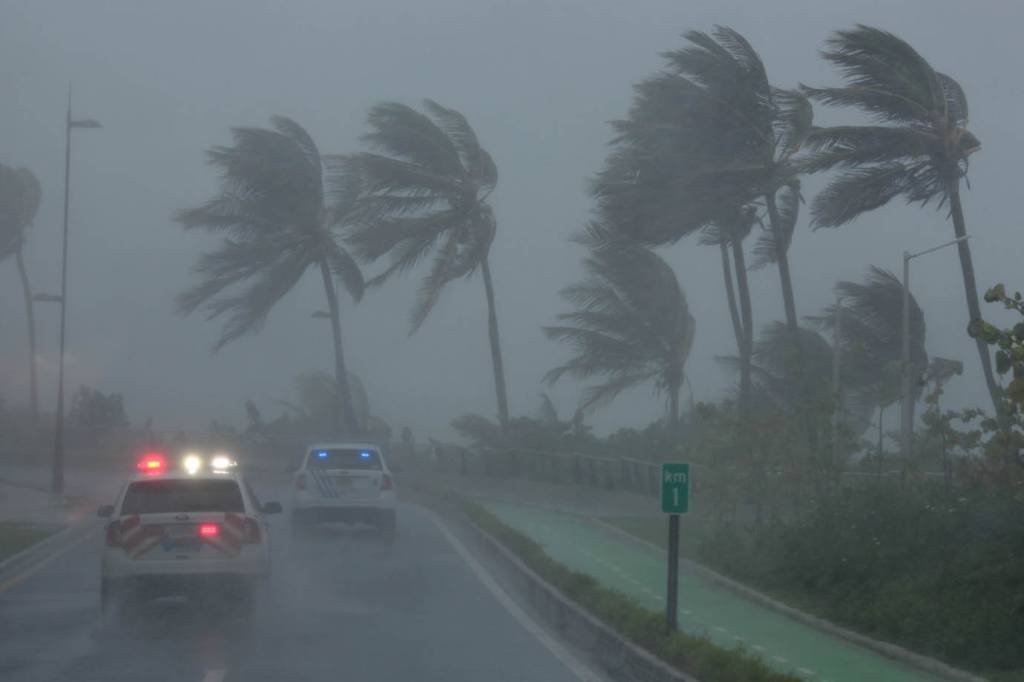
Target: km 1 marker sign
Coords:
[[675, 488], [675, 500]]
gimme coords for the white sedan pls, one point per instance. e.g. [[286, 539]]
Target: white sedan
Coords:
[[197, 531], [348, 482]]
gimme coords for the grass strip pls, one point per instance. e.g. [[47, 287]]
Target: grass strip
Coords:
[[694, 655]]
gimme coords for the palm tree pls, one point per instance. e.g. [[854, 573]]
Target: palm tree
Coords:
[[631, 324], [276, 225], [426, 192], [20, 195], [869, 340], [917, 150], [710, 133]]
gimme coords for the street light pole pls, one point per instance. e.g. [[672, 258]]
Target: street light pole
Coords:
[[906, 392], [57, 477]]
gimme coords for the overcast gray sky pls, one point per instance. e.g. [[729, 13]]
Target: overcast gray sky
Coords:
[[539, 80]]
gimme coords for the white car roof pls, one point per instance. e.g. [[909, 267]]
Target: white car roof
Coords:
[[185, 476], [353, 444]]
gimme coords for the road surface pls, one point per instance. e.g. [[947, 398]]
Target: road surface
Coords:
[[345, 605], [704, 607]]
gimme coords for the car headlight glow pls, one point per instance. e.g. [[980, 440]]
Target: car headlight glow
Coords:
[[192, 463], [221, 463]]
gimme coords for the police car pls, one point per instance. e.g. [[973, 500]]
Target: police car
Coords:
[[346, 481], [196, 529]]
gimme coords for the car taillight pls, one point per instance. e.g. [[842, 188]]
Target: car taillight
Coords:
[[209, 530], [300, 482], [114, 534], [251, 533], [386, 483]]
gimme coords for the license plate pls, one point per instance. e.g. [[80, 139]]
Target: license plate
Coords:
[[343, 481], [181, 531]]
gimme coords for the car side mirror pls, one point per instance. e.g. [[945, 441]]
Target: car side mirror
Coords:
[[271, 508], [106, 511]]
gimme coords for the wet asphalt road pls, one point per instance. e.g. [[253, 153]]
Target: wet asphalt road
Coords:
[[344, 605]]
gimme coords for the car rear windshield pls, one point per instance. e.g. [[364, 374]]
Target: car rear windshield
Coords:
[[345, 458], [182, 495]]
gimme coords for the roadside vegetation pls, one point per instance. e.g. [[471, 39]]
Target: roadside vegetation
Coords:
[[15, 537], [694, 655]]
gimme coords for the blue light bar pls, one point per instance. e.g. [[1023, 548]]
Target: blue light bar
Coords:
[[364, 455], [322, 454]]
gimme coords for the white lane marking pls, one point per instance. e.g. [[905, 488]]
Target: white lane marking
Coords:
[[719, 628], [758, 647], [579, 669], [780, 659], [687, 612], [646, 589], [214, 675], [656, 597], [39, 565], [738, 639], [806, 671], [632, 580]]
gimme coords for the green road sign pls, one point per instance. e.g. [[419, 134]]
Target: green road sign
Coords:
[[675, 487]]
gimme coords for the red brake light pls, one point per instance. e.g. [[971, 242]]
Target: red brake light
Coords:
[[209, 530], [252, 533], [386, 483], [300, 482], [152, 464], [114, 534]]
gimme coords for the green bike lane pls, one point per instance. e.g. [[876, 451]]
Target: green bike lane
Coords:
[[705, 608]]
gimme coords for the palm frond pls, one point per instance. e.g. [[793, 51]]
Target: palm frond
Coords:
[[864, 189], [475, 160], [405, 134], [847, 146]]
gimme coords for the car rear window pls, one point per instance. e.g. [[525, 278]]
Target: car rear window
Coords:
[[182, 495], [345, 458]]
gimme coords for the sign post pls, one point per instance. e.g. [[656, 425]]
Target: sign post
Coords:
[[675, 500]]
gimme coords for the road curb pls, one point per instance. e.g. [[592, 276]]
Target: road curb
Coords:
[[631, 662], [892, 651]]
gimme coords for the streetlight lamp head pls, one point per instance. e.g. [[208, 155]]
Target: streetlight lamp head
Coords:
[[85, 123]]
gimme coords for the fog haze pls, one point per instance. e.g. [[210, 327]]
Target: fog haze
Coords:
[[538, 81]]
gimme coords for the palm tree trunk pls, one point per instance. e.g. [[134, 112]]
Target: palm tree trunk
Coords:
[[971, 290], [881, 414], [345, 420], [31, 316], [496, 361], [673, 407], [747, 324], [730, 293], [782, 260]]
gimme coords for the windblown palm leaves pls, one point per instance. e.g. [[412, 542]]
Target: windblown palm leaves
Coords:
[[425, 196], [276, 225], [917, 149], [630, 324]]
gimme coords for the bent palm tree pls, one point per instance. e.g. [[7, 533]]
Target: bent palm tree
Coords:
[[918, 150], [426, 192], [869, 339], [709, 133], [276, 226], [631, 323], [20, 195]]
